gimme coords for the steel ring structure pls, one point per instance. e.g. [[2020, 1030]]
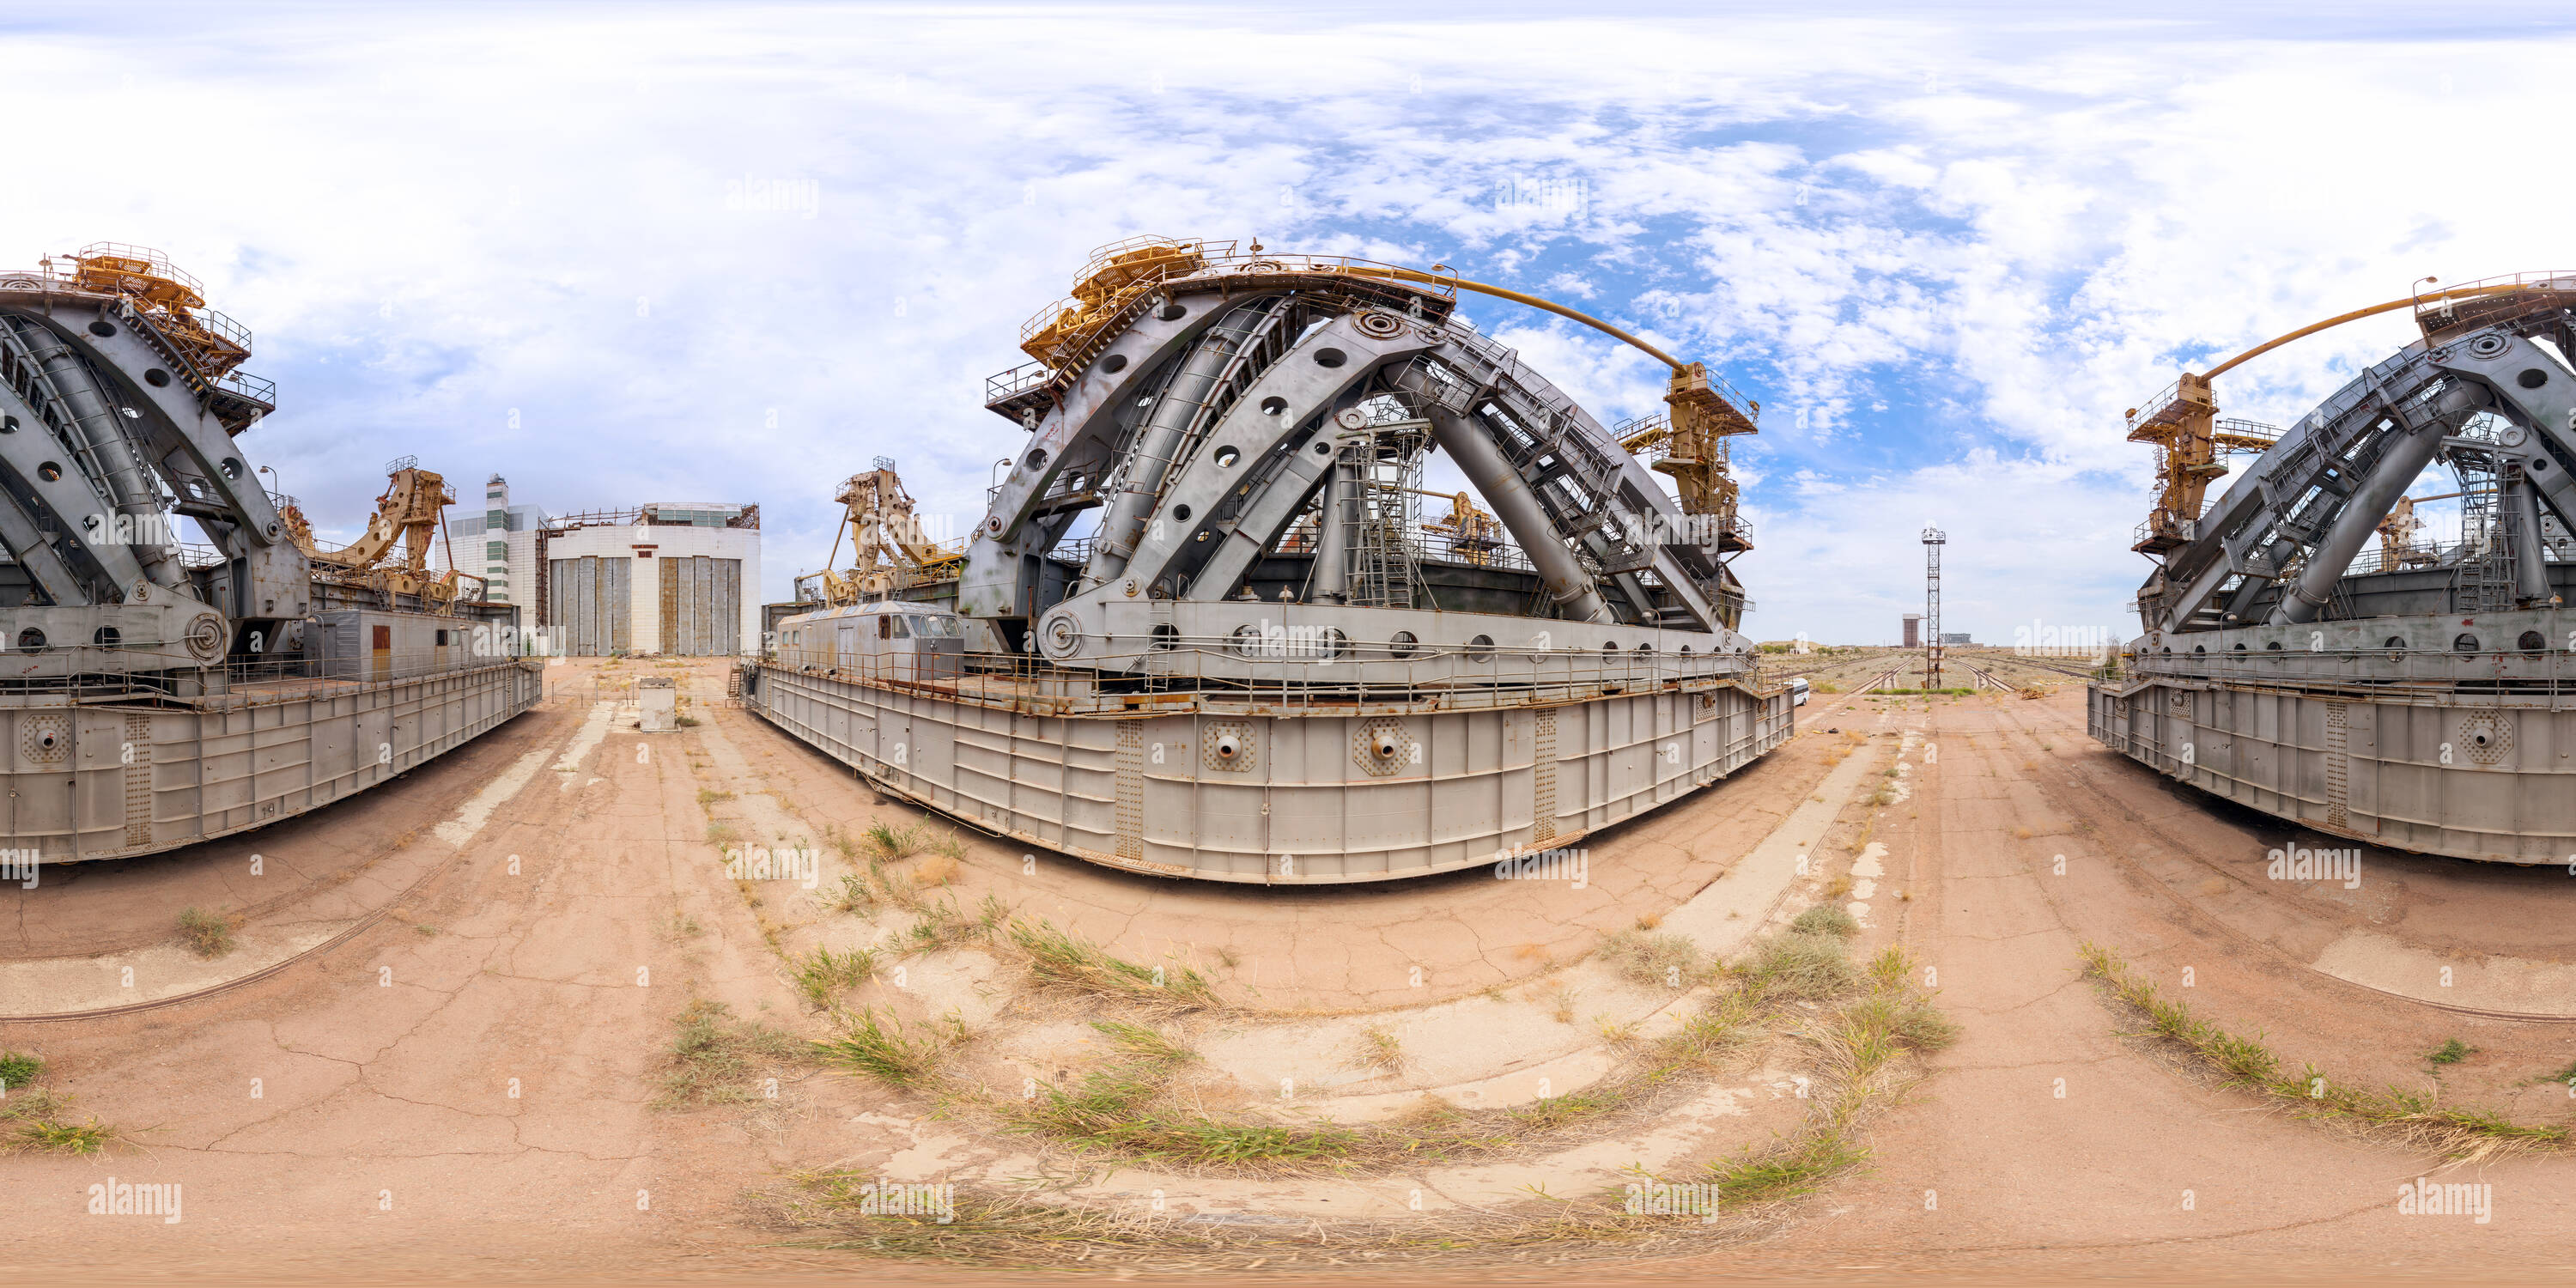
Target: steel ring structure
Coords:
[[156, 692], [1204, 633], [2421, 695]]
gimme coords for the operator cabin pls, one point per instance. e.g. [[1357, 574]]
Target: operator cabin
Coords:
[[888, 640]]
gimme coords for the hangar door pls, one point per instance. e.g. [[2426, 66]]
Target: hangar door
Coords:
[[589, 605], [701, 606]]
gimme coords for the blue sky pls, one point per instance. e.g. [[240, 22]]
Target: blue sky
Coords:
[[640, 253]]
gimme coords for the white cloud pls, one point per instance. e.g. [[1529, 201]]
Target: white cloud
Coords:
[[2006, 234]]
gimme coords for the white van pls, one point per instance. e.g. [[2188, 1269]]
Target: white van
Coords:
[[1797, 691]]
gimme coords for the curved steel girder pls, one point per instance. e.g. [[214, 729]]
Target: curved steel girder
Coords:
[[1082, 429], [2546, 411], [2298, 487], [64, 502], [1180, 408], [1085, 428], [40, 556], [175, 433], [1490, 471], [186, 443], [2244, 532], [1546, 413], [95, 432], [1303, 389], [1264, 516]]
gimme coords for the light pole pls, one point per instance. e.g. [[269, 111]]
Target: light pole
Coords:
[[1933, 540]]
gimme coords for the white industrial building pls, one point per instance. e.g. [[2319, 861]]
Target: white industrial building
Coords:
[[676, 578]]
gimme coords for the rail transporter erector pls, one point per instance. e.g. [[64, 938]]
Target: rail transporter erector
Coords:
[[1257, 664], [2416, 695]]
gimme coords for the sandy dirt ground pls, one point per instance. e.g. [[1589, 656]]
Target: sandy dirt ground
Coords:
[[464, 1086]]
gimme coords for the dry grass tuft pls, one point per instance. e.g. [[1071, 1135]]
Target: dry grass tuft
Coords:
[[1669, 961], [1825, 919], [1799, 967], [2411, 1118], [856, 896], [1859, 1049], [886, 1051], [934, 872], [718, 1059], [887, 843], [945, 925], [35, 1121], [207, 934], [1379, 1051], [1067, 963]]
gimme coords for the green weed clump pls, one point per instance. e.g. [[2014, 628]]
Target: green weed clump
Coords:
[[822, 973], [887, 843], [208, 934], [885, 1050], [36, 1121], [1826, 919], [18, 1069]]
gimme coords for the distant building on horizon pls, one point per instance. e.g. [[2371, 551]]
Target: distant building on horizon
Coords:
[[1914, 630], [665, 577]]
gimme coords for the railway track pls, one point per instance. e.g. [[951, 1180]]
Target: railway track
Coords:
[[2062, 668]]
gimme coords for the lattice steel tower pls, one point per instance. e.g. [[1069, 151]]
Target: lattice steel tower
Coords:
[[1932, 543]]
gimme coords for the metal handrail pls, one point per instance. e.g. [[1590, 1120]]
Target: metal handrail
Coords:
[[167, 671], [246, 385], [2387, 674], [1005, 385]]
